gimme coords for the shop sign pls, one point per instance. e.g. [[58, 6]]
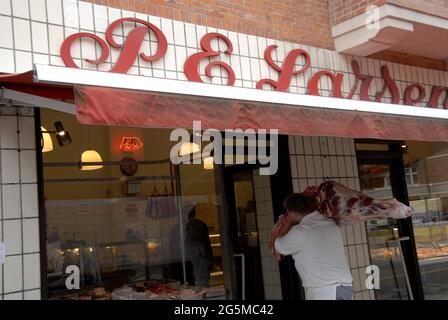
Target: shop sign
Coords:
[[413, 94]]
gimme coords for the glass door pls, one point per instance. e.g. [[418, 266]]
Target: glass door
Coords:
[[383, 234], [391, 242], [244, 233]]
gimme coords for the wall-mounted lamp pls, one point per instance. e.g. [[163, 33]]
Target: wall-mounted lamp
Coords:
[[62, 136]]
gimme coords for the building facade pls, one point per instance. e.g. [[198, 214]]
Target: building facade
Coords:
[[54, 212]]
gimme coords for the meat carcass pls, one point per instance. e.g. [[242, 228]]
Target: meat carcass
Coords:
[[344, 206]]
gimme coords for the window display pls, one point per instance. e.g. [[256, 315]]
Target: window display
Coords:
[[135, 225]]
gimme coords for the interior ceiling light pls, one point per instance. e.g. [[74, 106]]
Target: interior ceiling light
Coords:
[[93, 157], [188, 148]]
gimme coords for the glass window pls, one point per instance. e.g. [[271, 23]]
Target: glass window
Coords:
[[426, 164], [136, 225]]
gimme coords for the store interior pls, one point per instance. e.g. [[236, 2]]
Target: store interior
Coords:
[[133, 222]]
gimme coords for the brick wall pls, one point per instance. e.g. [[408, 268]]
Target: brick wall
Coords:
[[305, 21], [341, 10]]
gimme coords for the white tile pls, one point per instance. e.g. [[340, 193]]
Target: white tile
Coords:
[[30, 206], [56, 35], [352, 256], [10, 166], [6, 27], [190, 32], [12, 274], [356, 283], [7, 61], [360, 255], [32, 295], [295, 185], [27, 135], [301, 167], [167, 29], [12, 232], [350, 171], [40, 37], [38, 11], [326, 167], [101, 19], [8, 132], [309, 161], [31, 271], [341, 166], [30, 235], [5, 8], [242, 44], [318, 166], [323, 145], [294, 171], [307, 147], [13, 296], [334, 167], [255, 68], [179, 33], [41, 58], [22, 37], [357, 233], [245, 68], [71, 13], [350, 234], [11, 201], [298, 143], [86, 16], [303, 183], [54, 10], [20, 9], [24, 61], [291, 147], [331, 146], [181, 56], [28, 166]]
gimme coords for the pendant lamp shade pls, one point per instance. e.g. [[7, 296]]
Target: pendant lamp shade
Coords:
[[91, 156], [188, 148], [47, 143]]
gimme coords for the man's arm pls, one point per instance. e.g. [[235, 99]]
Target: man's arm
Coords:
[[292, 242]]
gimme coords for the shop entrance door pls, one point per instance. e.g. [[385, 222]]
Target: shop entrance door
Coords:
[[243, 229], [382, 175]]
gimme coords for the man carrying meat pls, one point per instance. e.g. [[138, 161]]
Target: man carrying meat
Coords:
[[315, 243]]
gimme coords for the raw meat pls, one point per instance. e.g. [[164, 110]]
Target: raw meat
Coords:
[[344, 206]]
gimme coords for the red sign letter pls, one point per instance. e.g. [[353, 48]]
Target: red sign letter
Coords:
[[191, 66], [286, 71]]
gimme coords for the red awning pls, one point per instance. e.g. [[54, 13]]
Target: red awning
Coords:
[[119, 107], [23, 82]]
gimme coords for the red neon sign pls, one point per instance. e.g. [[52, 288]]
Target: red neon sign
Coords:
[[130, 144], [130, 50]]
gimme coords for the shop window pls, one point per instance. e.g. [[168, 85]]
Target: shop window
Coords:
[[427, 184], [134, 225]]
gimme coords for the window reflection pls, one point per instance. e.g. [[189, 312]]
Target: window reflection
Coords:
[[428, 193]]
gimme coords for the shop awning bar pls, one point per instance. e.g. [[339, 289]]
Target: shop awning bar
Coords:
[[63, 75]]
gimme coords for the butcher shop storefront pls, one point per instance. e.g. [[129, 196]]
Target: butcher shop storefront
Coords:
[[165, 149]]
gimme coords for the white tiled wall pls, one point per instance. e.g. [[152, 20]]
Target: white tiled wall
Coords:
[[265, 220], [316, 159], [33, 31], [19, 224]]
